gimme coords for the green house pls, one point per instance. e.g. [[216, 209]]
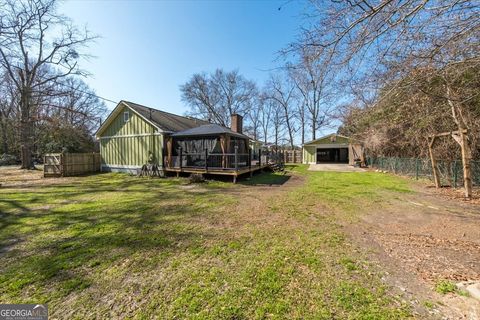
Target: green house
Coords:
[[134, 135], [333, 148]]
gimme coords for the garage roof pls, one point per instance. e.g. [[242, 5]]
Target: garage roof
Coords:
[[329, 139]]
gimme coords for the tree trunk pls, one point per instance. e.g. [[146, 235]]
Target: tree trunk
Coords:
[[289, 127], [3, 123], [466, 158], [26, 131], [303, 132], [314, 128], [276, 140], [436, 176], [462, 140]]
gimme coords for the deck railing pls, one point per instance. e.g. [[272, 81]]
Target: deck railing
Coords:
[[219, 161]]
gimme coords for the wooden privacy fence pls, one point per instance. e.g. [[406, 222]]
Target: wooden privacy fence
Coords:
[[292, 156], [70, 164]]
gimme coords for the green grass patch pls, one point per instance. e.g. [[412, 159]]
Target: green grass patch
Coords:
[[266, 178], [132, 247], [445, 286]]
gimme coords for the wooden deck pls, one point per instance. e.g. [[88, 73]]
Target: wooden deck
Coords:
[[218, 171]]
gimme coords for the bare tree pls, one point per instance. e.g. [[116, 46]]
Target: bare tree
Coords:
[[215, 97], [7, 112], [282, 92], [76, 104], [254, 119], [278, 122], [202, 98], [33, 35], [265, 114], [312, 78], [68, 117], [302, 120], [382, 42]]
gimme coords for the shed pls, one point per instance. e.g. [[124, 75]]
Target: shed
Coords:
[[333, 148]]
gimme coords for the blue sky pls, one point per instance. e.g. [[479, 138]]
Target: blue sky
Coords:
[[148, 49]]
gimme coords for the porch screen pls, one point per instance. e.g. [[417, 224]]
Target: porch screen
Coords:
[[197, 146]]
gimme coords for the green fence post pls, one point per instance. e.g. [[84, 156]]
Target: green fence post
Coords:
[[416, 169], [455, 174]]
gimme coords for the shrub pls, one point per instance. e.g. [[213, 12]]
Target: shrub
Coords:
[[7, 159]]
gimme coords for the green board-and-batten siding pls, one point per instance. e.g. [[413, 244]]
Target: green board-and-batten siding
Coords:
[[309, 154], [127, 144]]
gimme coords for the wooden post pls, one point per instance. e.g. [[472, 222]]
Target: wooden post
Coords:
[[436, 177], [259, 157], [180, 157], [169, 152], [416, 169], [206, 159], [461, 138], [62, 165], [236, 158], [249, 158], [455, 174]]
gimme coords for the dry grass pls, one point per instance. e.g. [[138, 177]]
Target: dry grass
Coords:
[[114, 246]]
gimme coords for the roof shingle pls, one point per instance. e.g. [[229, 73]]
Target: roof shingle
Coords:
[[210, 129], [168, 122]]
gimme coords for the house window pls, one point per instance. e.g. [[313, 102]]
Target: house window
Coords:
[[126, 116]]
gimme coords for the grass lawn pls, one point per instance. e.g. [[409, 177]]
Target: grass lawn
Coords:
[[112, 245]]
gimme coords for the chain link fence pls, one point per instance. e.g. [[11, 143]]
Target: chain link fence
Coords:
[[451, 171]]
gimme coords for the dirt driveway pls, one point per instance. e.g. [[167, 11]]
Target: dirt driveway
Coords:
[[422, 238]]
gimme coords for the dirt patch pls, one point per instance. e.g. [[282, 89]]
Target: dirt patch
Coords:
[[422, 238], [335, 167], [12, 176], [458, 194], [193, 188], [254, 208]]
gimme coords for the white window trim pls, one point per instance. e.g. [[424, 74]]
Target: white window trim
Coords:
[[126, 113]]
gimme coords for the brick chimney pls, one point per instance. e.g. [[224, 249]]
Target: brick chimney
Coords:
[[237, 123]]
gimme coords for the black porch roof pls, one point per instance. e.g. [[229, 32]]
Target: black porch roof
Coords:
[[208, 130]]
